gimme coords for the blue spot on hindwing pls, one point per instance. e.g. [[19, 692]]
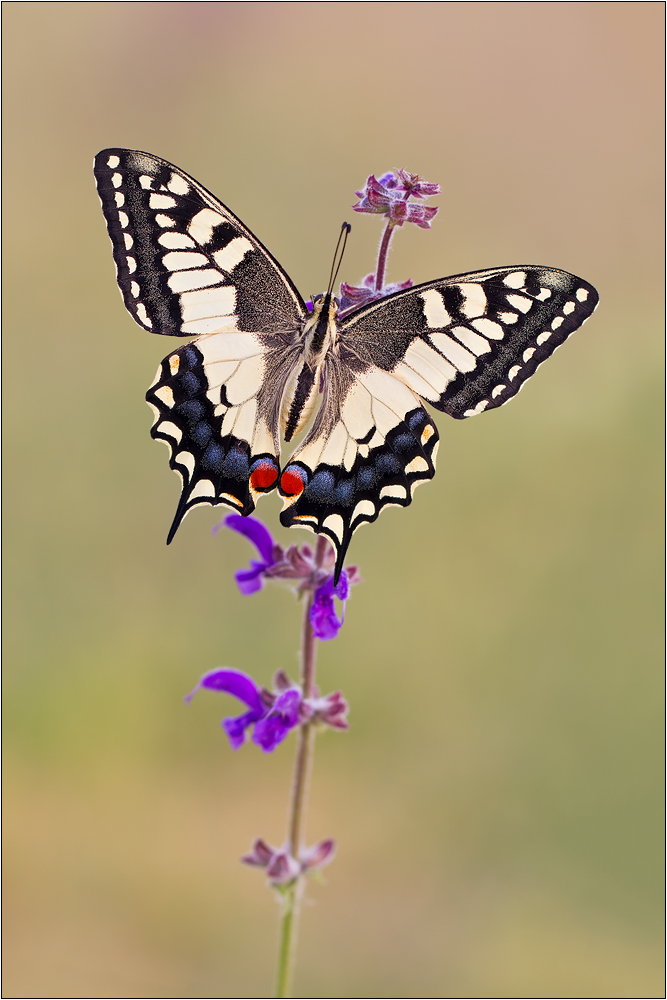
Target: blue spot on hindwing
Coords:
[[192, 411], [388, 465], [344, 493], [236, 465], [191, 357], [320, 486], [403, 443], [189, 384], [213, 457], [202, 433], [366, 478]]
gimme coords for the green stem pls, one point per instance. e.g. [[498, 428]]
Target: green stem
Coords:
[[291, 894], [287, 940]]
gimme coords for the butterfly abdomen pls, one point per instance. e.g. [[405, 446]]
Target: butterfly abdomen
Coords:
[[299, 400]]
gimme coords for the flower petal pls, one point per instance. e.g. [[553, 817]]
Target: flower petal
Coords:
[[260, 855], [255, 531], [287, 705], [323, 617], [236, 683], [277, 722], [270, 731], [249, 581], [318, 855], [283, 868], [236, 728], [331, 710], [342, 588]]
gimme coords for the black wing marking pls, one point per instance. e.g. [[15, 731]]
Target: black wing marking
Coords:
[[371, 445], [188, 267], [185, 264], [214, 403], [468, 343]]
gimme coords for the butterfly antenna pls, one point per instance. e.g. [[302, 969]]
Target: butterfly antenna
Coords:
[[335, 267]]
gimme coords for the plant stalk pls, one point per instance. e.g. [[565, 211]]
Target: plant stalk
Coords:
[[291, 894], [383, 253]]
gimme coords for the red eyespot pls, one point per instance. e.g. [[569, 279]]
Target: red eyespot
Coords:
[[292, 482], [264, 476]]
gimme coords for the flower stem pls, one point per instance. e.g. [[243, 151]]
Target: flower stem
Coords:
[[287, 939], [291, 895], [382, 255]]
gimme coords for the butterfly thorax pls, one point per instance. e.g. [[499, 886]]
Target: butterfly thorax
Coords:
[[319, 336]]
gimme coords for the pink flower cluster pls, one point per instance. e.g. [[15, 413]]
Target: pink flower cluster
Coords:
[[281, 868], [390, 196]]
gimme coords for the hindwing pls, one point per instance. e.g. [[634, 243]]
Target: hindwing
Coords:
[[214, 402], [372, 443]]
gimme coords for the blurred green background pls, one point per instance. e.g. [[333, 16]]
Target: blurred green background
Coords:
[[497, 799]]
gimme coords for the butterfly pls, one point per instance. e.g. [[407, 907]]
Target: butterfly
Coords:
[[258, 363]]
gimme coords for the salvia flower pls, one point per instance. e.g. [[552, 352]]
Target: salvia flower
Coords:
[[251, 580], [281, 867], [298, 565], [420, 215], [390, 196], [355, 296], [272, 714], [415, 186], [326, 623]]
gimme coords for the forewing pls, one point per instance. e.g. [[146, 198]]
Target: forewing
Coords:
[[371, 445], [172, 238], [188, 267], [468, 343]]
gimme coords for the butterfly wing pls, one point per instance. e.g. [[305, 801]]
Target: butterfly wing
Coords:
[[187, 267], [372, 443], [468, 343], [464, 344]]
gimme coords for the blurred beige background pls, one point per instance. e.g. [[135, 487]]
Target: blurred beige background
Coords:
[[497, 800]]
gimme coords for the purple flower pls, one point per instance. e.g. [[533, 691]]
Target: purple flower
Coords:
[[415, 186], [390, 196], [326, 623], [272, 713], [296, 564], [281, 867], [421, 215], [378, 196], [355, 296], [251, 580], [388, 180], [272, 716], [273, 727]]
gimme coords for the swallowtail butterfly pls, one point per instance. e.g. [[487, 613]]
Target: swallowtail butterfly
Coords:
[[258, 363]]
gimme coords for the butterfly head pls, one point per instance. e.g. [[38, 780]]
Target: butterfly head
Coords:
[[320, 301]]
